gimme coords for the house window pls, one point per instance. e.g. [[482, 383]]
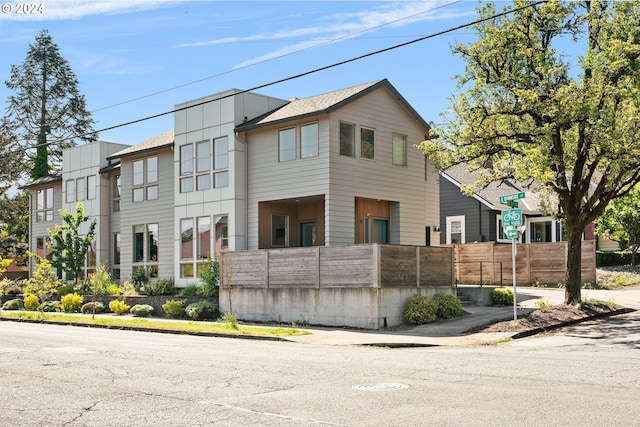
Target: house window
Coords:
[[115, 193], [145, 248], [221, 162], [280, 230], [366, 143], [222, 236], [70, 190], [399, 149], [186, 168], [347, 140], [203, 165], [309, 140], [204, 237], [287, 145], [541, 231], [44, 205], [42, 249], [145, 177], [91, 187], [80, 189], [115, 271], [186, 247], [455, 229]]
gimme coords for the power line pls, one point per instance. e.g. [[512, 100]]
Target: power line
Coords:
[[322, 43], [324, 68]]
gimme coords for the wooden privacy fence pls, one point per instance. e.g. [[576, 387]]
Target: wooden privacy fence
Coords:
[[491, 263], [363, 286], [369, 265]]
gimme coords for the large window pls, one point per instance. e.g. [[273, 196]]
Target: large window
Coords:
[[70, 190], [287, 145], [44, 205], [80, 189], [115, 271], [309, 140], [145, 179], [347, 140], [186, 247], [367, 147], [145, 249], [399, 149], [204, 237], [203, 165]]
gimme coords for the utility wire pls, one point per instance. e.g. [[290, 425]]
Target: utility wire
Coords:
[[322, 43], [324, 68]]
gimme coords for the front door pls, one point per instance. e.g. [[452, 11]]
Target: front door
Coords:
[[307, 234], [380, 231]]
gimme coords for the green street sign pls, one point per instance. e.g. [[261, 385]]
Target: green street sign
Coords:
[[512, 217], [512, 203], [512, 233], [505, 199]]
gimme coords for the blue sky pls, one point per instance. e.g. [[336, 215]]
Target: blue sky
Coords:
[[139, 58]]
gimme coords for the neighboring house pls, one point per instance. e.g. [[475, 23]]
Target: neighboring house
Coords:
[[246, 171], [477, 218]]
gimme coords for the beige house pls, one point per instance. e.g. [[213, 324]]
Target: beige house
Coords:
[[245, 171]]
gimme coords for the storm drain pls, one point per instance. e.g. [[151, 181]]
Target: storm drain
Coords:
[[380, 387]]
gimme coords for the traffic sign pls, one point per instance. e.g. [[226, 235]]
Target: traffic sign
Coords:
[[512, 217], [505, 199], [512, 233]]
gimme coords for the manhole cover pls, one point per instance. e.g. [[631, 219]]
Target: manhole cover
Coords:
[[380, 387]]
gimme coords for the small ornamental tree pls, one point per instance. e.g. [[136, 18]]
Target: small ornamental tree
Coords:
[[4, 264], [69, 248], [44, 282]]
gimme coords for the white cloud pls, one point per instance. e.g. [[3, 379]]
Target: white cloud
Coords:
[[338, 27], [55, 10]]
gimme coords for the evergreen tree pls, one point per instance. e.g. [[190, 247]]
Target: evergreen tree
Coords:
[[46, 113]]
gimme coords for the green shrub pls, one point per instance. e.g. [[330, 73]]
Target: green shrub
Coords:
[[191, 290], [114, 289], [72, 303], [13, 304], [50, 306], [448, 305], [209, 275], [67, 288], [502, 296], [119, 307], [139, 278], [94, 307], [10, 287], [231, 319], [31, 302], [202, 310], [141, 310], [174, 308], [83, 287], [160, 287], [420, 310]]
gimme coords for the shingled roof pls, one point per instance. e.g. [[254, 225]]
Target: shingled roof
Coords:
[[165, 139], [324, 104], [461, 175]]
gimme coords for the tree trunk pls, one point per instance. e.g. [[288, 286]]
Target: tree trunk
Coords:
[[574, 266]]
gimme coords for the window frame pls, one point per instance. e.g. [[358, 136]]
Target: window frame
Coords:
[[449, 221], [364, 129], [401, 146], [291, 145], [315, 143], [342, 143]]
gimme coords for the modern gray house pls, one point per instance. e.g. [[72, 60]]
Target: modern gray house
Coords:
[[244, 171]]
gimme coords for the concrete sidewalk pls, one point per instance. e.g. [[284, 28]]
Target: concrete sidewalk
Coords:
[[454, 332]]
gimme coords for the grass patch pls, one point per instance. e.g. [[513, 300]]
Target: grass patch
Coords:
[[124, 322]]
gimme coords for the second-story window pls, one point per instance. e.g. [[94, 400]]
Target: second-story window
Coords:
[[70, 190], [80, 189], [221, 162], [309, 140], [399, 149], [347, 140], [367, 147], [203, 165], [186, 168], [44, 205], [145, 179], [287, 145], [115, 193]]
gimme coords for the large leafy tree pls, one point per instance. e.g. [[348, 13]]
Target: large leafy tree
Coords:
[[46, 113], [69, 245], [621, 221], [525, 109]]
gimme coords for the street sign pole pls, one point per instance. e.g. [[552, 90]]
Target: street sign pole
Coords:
[[513, 272]]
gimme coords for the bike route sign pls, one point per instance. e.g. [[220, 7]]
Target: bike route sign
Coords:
[[512, 217]]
